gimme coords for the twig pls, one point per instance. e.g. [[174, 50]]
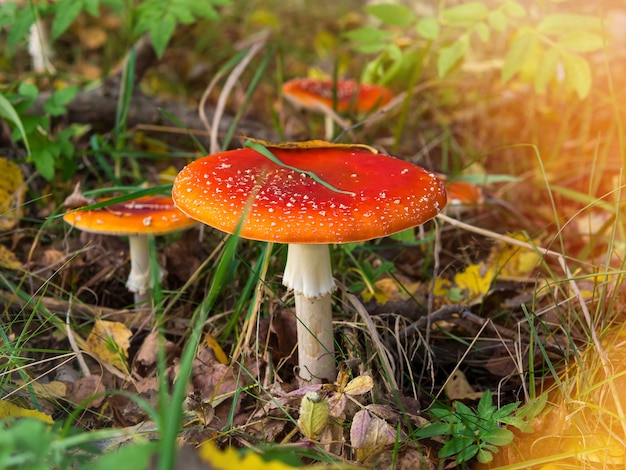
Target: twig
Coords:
[[378, 344], [256, 46], [70, 337], [545, 252]]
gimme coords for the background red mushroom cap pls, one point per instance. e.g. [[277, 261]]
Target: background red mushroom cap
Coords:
[[149, 214], [387, 195], [350, 95]]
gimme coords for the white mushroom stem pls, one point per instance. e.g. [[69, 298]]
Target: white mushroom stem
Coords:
[[309, 274], [139, 280]]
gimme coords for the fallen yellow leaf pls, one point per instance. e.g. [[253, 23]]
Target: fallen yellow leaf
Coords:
[[9, 410], [219, 353], [109, 341], [476, 279]]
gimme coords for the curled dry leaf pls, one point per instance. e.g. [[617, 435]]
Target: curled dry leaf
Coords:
[[369, 435], [146, 357], [88, 388]]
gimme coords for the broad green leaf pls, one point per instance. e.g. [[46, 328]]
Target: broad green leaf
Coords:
[[483, 31], [450, 55], [66, 13], [161, 33], [498, 436], [455, 446], [433, 430], [563, 23], [485, 404], [466, 454], [56, 104], [28, 90], [44, 158], [577, 74], [392, 14], [136, 456], [546, 69], [407, 235], [428, 28], [7, 111], [20, 25], [581, 41], [514, 9], [517, 54], [160, 17], [7, 12], [465, 13], [534, 407], [368, 35], [498, 20], [484, 456]]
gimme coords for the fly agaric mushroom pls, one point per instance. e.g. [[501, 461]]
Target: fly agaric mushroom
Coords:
[[136, 219], [308, 198], [350, 96]]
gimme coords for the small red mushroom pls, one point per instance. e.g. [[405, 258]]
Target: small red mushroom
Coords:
[[350, 96], [136, 219], [364, 196]]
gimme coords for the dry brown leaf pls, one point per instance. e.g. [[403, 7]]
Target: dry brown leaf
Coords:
[[146, 358], [458, 388], [88, 388]]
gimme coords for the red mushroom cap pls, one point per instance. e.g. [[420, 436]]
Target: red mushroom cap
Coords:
[[150, 214], [286, 206], [351, 95]]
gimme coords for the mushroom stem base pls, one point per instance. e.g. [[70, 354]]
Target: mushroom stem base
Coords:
[[316, 347]]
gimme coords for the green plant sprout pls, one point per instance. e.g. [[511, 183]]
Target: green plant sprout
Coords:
[[472, 433]]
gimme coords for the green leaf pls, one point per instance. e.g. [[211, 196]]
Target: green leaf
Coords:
[[428, 28], [455, 446], [7, 111], [485, 404], [465, 14], [577, 74], [160, 17], [534, 407], [368, 34], [581, 41], [506, 410], [44, 158], [514, 9], [484, 456], [433, 430], [392, 14], [483, 31], [28, 90], [66, 13], [546, 70], [564, 23], [56, 104], [161, 33], [498, 20], [407, 235], [128, 457], [498, 436], [450, 55], [20, 25], [517, 54], [7, 13], [466, 454]]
